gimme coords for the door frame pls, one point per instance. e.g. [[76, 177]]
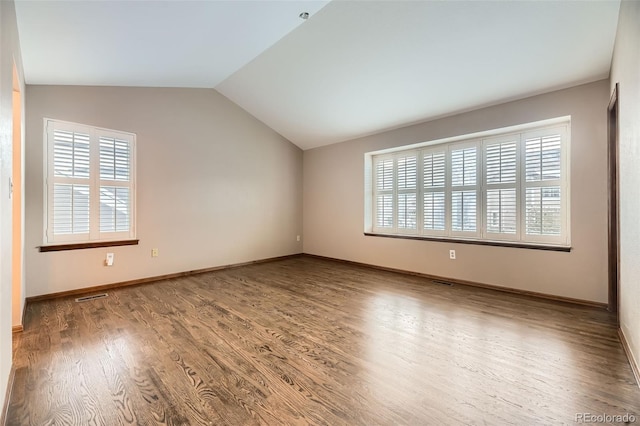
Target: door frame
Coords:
[[613, 120]]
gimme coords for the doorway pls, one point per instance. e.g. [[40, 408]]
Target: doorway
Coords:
[[614, 231]]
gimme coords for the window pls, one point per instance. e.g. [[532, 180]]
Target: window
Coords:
[[89, 184], [508, 185]]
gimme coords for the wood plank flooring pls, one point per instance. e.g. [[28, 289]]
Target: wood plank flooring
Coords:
[[312, 341]]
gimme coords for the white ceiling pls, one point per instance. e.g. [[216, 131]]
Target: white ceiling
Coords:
[[149, 43], [354, 68]]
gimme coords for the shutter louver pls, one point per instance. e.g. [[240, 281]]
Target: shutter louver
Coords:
[[384, 197], [71, 163], [115, 158], [463, 167], [407, 176], [501, 211], [463, 211], [543, 158], [70, 154], [501, 163], [434, 168], [500, 192], [407, 173], [543, 210], [385, 175], [114, 209], [407, 213], [115, 166], [70, 209], [464, 199], [543, 200], [434, 211], [384, 211]]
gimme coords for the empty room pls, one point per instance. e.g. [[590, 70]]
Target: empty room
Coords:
[[331, 212]]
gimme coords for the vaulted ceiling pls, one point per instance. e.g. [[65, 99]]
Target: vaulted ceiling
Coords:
[[353, 68]]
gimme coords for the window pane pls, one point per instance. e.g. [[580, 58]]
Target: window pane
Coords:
[[407, 211], [434, 211], [542, 157], [384, 211], [407, 172], [501, 211], [463, 210], [434, 170], [114, 209], [70, 154], [501, 162], [70, 209], [384, 175], [115, 159], [543, 210], [463, 166]]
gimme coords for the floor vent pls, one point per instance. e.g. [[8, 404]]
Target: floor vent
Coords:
[[92, 297], [443, 283]]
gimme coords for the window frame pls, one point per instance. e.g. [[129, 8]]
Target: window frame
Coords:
[[95, 237], [481, 140]]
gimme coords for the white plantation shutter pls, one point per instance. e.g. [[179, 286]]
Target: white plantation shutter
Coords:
[[396, 193], [407, 214], [90, 183], [115, 158], [501, 187], [407, 187], [71, 154], [384, 209], [501, 216], [70, 191], [542, 155], [511, 186], [464, 189], [464, 165], [543, 210], [500, 162], [544, 198], [115, 173], [115, 209], [70, 209], [383, 175], [434, 200]]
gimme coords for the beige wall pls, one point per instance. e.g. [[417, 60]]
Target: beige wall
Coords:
[[626, 71], [334, 200], [17, 269], [214, 185], [9, 53]]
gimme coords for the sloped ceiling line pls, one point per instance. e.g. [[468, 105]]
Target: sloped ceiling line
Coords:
[[353, 68]]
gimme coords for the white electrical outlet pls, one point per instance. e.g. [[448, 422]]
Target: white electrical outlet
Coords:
[[109, 260], [297, 237], [452, 254], [154, 252]]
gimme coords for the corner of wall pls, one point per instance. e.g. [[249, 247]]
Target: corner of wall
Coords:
[[624, 71]]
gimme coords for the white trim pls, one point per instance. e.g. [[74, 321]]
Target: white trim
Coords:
[[520, 128]]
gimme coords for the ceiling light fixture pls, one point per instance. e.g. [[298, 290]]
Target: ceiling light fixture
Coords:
[[304, 15]]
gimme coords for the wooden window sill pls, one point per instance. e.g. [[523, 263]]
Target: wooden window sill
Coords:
[[476, 242], [80, 246]]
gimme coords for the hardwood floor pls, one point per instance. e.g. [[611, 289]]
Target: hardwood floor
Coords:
[[311, 341]]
